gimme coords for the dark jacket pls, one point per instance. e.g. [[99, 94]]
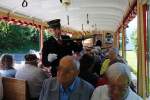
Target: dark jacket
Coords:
[[61, 48], [89, 77]]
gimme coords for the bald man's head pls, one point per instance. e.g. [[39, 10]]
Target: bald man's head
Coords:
[[69, 61], [68, 70]]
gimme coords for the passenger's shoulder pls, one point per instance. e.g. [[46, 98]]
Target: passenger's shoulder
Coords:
[[51, 80], [102, 87], [133, 95], [86, 84], [21, 69], [101, 90], [50, 39], [51, 84]]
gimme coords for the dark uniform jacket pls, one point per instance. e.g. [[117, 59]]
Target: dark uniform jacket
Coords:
[[61, 48]]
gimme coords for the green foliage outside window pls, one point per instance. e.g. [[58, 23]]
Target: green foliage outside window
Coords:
[[17, 39], [134, 39]]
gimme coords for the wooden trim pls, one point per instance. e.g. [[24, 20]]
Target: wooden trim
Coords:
[[41, 40], [18, 16], [141, 51], [145, 9], [128, 12], [118, 35], [41, 37], [123, 43], [115, 40]]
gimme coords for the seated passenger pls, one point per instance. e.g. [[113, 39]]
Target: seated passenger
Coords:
[[67, 85], [77, 50], [98, 43], [113, 55], [103, 79], [34, 75], [87, 63], [6, 67], [118, 87]]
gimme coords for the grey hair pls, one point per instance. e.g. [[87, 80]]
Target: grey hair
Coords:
[[118, 69], [116, 50]]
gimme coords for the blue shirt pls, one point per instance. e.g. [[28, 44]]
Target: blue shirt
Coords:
[[8, 73], [64, 94]]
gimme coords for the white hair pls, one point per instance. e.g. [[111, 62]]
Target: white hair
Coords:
[[118, 69], [96, 50], [115, 50]]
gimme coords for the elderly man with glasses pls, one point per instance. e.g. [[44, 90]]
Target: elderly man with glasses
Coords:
[[67, 85], [118, 88]]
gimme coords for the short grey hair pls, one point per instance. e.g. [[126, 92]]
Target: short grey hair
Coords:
[[118, 69], [116, 50]]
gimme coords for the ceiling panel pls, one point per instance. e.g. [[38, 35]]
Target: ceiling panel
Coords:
[[106, 14]]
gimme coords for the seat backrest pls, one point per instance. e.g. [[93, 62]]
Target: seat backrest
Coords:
[[14, 89]]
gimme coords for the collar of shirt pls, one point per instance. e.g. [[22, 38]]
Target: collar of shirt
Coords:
[[56, 38], [64, 94]]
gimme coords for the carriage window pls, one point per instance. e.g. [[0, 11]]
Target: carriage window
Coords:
[[131, 48], [18, 40], [120, 44]]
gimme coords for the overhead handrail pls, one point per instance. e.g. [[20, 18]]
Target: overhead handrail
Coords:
[[24, 3]]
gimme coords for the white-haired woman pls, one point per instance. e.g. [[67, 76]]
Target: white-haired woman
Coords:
[[118, 87]]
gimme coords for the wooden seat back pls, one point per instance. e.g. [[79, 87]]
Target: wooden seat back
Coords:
[[14, 89]]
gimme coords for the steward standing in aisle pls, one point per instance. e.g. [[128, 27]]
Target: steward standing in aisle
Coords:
[[55, 47]]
